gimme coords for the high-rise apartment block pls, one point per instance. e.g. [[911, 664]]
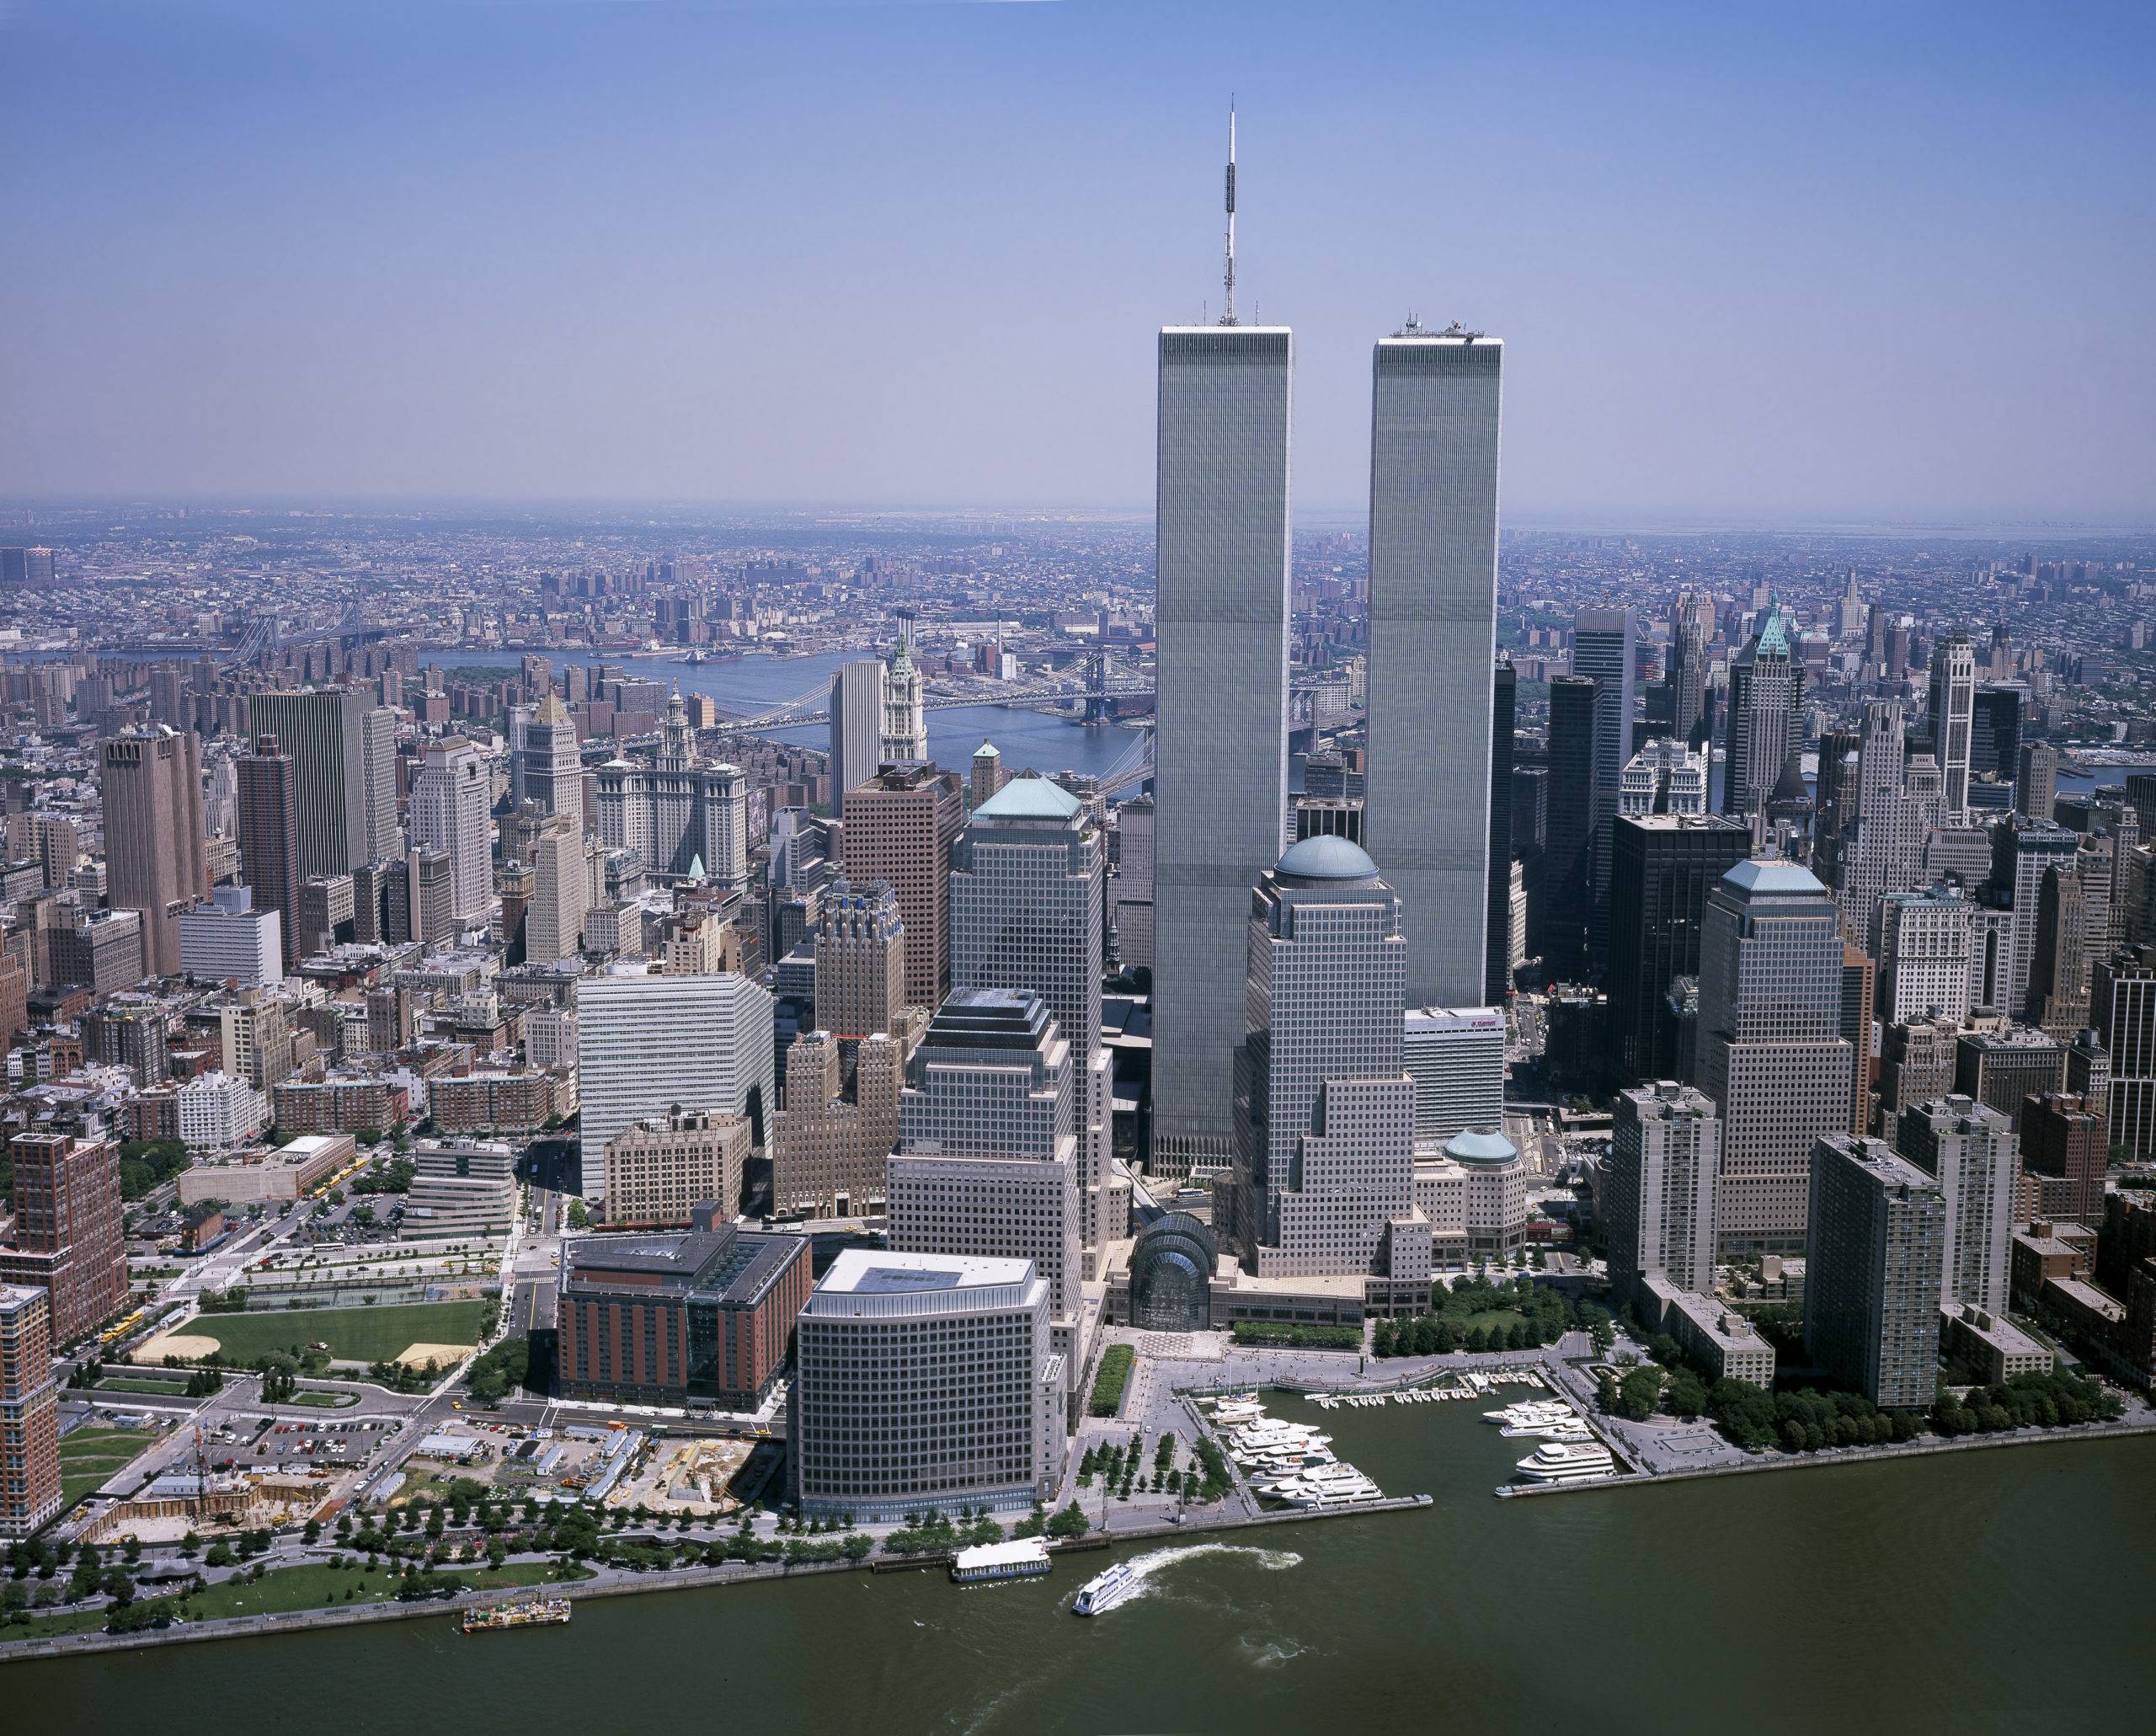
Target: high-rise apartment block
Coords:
[[155, 860], [1771, 1053], [67, 1230], [1221, 744], [898, 829], [1435, 410], [1658, 1192], [229, 940], [30, 1490], [1969, 1151], [1875, 1263]]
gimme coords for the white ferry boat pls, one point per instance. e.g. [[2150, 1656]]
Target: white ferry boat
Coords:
[[986, 1563], [1567, 1462], [1104, 1591]]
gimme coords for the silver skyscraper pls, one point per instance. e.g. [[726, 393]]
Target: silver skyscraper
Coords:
[[1221, 752], [1432, 626]]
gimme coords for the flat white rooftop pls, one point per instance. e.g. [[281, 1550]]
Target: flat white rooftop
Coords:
[[869, 1272]]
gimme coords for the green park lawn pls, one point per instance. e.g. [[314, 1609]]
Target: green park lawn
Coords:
[[353, 1334], [88, 1457], [315, 1586], [143, 1383]]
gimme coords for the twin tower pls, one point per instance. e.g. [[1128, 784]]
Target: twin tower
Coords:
[[1222, 615]]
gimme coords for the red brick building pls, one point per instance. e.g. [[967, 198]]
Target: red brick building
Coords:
[[341, 1106], [29, 1426], [68, 1239], [703, 1316], [2065, 1143]]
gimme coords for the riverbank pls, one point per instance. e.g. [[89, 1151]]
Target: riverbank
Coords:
[[1829, 1457], [616, 1583]]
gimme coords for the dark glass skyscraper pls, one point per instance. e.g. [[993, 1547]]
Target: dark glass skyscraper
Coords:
[[1496, 928], [1567, 861], [1662, 866]]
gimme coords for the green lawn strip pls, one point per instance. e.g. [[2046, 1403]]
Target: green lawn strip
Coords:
[[323, 1400], [122, 1443], [353, 1334], [315, 1586], [161, 1389], [1110, 1378]]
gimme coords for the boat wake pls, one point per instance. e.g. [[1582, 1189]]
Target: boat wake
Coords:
[[1147, 1569]]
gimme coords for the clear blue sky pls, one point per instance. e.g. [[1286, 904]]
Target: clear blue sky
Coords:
[[1752, 262]]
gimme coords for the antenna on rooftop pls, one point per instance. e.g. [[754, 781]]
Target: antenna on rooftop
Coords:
[[1228, 275]]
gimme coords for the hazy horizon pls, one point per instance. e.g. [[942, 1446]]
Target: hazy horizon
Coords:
[[1878, 271]]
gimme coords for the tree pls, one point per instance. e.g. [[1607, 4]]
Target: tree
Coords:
[[1687, 1396], [1605, 1393], [220, 1555], [1639, 1392], [1069, 1523]]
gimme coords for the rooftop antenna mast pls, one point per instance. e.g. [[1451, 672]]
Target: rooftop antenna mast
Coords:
[[1228, 275]]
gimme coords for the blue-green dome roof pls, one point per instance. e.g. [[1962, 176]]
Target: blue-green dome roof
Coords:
[[1492, 1151], [1327, 857]]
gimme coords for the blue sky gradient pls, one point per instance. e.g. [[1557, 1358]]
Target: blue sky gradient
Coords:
[[1753, 264]]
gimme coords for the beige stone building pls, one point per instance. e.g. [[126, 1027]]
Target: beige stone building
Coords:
[[660, 1169]]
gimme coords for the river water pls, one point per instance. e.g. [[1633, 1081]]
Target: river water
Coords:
[[1028, 741], [1969, 1591]]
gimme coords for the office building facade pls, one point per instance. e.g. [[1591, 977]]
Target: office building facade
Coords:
[[900, 826], [156, 863], [1771, 1053], [924, 1380], [1221, 744], [1436, 405], [648, 1044]]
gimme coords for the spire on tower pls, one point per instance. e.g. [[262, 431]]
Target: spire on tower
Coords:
[[1228, 274]]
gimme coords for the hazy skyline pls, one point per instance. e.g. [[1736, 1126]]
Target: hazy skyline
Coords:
[[1748, 267]]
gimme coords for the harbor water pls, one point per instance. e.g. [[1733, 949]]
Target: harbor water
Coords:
[[1981, 1590]]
